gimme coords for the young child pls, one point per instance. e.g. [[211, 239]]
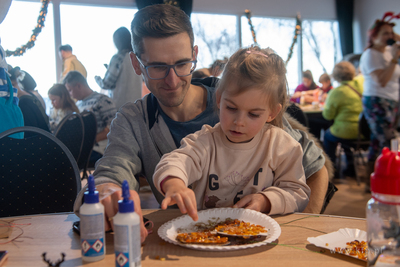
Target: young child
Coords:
[[325, 80], [63, 105], [247, 160]]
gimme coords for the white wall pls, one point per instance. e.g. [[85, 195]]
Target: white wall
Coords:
[[309, 9], [365, 14]]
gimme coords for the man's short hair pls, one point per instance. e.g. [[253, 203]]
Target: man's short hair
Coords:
[[73, 78], [159, 21], [66, 47]]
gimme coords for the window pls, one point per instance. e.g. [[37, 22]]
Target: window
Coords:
[[215, 35], [321, 47], [89, 30], [16, 29], [277, 34]]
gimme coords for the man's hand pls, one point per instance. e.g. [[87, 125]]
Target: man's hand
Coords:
[[176, 192], [110, 204], [257, 202]]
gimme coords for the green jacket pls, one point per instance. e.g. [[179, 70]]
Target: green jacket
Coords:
[[344, 106]]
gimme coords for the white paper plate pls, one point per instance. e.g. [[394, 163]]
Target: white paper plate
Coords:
[[168, 231], [338, 239]]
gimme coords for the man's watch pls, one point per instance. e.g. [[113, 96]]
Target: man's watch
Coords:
[[394, 61]]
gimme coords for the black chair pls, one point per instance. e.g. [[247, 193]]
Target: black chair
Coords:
[[70, 131], [296, 112], [90, 130], [357, 147], [38, 174]]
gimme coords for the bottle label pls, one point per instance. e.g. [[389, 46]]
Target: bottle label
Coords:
[[92, 235], [127, 254]]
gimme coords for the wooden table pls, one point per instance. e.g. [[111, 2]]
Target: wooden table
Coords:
[[316, 121], [53, 234], [311, 108]]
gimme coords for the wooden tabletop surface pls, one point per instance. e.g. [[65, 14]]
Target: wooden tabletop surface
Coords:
[[53, 234]]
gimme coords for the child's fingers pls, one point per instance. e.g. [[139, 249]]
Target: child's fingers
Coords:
[[180, 202], [243, 202], [191, 207], [166, 202]]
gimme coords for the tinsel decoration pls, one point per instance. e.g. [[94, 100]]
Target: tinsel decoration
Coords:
[[248, 15], [40, 24], [296, 33], [171, 2]]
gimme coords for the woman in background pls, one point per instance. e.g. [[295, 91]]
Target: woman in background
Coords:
[[27, 83], [63, 105], [121, 81], [305, 89], [215, 69], [31, 108], [379, 65], [343, 106]]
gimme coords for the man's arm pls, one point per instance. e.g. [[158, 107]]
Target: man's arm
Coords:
[[318, 183], [317, 167]]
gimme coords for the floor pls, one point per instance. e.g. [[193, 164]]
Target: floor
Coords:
[[350, 199]]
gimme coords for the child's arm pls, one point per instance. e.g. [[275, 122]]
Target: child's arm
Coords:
[[257, 202], [176, 192]]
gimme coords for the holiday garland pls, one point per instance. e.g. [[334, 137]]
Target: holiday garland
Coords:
[[248, 15], [40, 24], [296, 33]]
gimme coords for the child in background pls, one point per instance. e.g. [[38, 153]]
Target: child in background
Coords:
[[325, 80], [63, 105], [247, 160]]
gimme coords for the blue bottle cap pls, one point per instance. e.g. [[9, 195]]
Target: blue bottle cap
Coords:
[[91, 195], [125, 205]]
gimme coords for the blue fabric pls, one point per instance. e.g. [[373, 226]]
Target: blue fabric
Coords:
[[11, 115], [331, 142], [181, 129]]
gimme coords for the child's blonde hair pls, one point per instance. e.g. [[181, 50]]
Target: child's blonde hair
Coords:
[[253, 67]]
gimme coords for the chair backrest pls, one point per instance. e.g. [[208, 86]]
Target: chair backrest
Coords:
[[363, 127], [296, 112], [38, 174], [70, 131], [90, 130]]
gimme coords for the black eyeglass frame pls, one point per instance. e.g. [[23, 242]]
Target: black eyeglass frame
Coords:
[[169, 68]]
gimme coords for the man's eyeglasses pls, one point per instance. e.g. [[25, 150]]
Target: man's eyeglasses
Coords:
[[158, 72]]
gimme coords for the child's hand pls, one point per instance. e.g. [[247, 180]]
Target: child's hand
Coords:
[[257, 202], [176, 192]]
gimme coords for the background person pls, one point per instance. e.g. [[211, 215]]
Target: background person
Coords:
[[325, 80], [27, 83], [31, 108], [343, 105], [381, 71], [121, 81], [63, 105], [101, 105], [215, 68], [70, 62], [251, 98], [306, 89]]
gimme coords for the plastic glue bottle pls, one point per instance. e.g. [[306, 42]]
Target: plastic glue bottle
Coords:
[[127, 245], [383, 210], [92, 225]]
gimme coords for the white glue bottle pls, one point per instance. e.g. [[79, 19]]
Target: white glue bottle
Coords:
[[127, 245], [92, 225]]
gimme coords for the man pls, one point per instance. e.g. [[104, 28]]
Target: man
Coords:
[[101, 105], [165, 55], [70, 62]]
